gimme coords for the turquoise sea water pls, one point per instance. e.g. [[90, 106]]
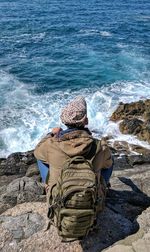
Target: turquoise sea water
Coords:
[[53, 50]]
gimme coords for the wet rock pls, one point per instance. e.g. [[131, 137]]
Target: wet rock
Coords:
[[124, 148], [135, 119], [120, 147], [139, 149], [144, 134], [131, 126], [136, 127], [128, 110], [147, 116]]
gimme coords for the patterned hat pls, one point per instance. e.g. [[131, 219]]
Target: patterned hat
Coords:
[[75, 112]]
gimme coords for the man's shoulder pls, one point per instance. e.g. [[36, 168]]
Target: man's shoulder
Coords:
[[102, 143], [45, 139]]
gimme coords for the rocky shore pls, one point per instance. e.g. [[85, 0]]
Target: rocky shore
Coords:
[[134, 119], [123, 226]]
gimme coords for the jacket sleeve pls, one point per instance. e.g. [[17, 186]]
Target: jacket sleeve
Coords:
[[41, 150], [103, 159], [107, 158]]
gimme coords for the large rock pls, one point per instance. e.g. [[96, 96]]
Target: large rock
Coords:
[[137, 242], [111, 227], [22, 226], [20, 223], [124, 148], [129, 110], [136, 127], [123, 222], [32, 171], [16, 163], [135, 119], [131, 126], [21, 190], [2, 166]]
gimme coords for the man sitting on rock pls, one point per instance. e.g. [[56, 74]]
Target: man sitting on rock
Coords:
[[60, 145]]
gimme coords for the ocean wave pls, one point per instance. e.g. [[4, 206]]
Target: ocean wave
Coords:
[[26, 116], [90, 32], [142, 18], [105, 34], [121, 45], [24, 38]]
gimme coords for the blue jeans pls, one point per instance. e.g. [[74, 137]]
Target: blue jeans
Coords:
[[106, 174], [44, 169]]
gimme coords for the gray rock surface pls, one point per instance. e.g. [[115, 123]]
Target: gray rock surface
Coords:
[[21, 190], [43, 240], [32, 171], [137, 242], [22, 226], [124, 225], [16, 163]]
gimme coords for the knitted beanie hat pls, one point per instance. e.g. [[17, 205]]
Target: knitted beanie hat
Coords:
[[75, 112]]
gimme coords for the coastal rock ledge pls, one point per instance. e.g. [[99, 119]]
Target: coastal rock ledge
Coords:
[[134, 119], [124, 225]]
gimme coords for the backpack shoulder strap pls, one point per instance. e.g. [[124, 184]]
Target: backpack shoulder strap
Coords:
[[95, 148]]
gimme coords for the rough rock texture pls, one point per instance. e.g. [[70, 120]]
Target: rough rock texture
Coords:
[[123, 147], [32, 171], [23, 225], [133, 109], [20, 190], [16, 163], [139, 241], [124, 224], [135, 119]]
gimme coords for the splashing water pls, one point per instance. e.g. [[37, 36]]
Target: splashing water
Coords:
[[53, 51], [26, 116]]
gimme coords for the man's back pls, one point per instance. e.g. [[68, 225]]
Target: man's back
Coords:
[[67, 144]]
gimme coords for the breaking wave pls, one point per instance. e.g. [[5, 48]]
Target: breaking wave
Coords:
[[27, 116]]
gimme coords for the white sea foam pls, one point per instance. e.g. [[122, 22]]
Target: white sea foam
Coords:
[[105, 34], [142, 18], [24, 37], [121, 45], [26, 116], [87, 32]]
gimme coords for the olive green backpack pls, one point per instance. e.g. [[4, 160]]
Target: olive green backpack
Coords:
[[74, 200]]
